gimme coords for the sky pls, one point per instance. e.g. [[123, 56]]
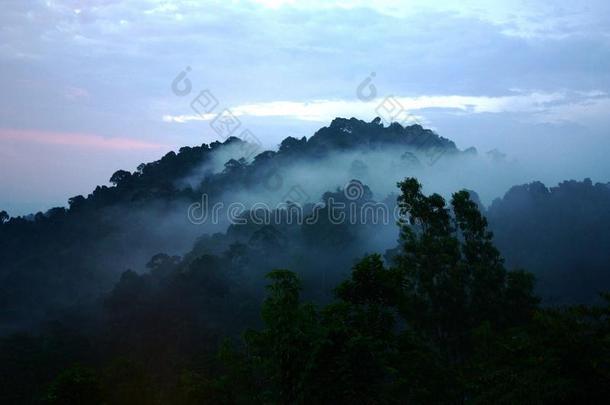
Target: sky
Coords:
[[89, 87]]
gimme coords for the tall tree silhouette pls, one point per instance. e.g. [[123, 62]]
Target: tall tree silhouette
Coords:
[[454, 278]]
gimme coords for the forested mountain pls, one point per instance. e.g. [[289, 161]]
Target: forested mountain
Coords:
[[127, 295], [66, 256], [561, 233]]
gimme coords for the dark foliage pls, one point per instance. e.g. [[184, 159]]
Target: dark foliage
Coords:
[[441, 320], [561, 233], [445, 323]]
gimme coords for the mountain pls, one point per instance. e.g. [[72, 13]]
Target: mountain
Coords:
[[67, 257], [560, 233], [220, 275], [64, 257]]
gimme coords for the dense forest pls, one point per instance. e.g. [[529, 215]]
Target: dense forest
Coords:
[[123, 298]]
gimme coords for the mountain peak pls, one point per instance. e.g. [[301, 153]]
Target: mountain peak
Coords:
[[344, 133]]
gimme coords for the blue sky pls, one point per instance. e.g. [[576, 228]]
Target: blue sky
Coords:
[[87, 84]]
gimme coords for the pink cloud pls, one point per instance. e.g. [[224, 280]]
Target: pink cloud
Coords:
[[76, 139], [75, 93]]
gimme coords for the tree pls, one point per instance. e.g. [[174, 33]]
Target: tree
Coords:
[[370, 283], [336, 355], [358, 353], [75, 386], [408, 331], [4, 217], [119, 177], [559, 357], [77, 202], [287, 341], [454, 278]]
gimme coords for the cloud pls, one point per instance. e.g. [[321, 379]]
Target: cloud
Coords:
[[548, 104], [106, 66], [75, 139], [74, 93], [551, 20], [41, 169]]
